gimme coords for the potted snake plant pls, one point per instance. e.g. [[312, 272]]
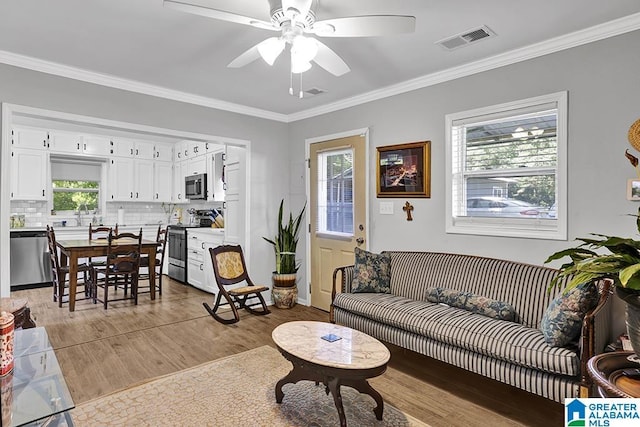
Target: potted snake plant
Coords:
[[285, 243]]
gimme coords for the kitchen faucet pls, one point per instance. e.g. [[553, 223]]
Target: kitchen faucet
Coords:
[[86, 211]]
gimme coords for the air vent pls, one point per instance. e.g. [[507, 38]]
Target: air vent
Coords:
[[315, 91], [466, 38]]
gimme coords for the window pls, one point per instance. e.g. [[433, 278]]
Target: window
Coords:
[[75, 195], [75, 185], [335, 192], [506, 171]]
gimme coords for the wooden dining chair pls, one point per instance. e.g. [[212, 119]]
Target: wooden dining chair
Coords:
[[122, 266], [59, 272], [161, 239], [100, 233], [230, 269]]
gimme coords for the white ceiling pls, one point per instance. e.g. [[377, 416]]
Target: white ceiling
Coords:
[[141, 45]]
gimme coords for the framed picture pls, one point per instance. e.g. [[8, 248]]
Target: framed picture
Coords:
[[633, 189], [404, 170]]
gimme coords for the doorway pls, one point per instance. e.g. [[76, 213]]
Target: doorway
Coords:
[[338, 208]]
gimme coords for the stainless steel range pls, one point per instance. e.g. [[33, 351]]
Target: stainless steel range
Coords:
[[177, 242]]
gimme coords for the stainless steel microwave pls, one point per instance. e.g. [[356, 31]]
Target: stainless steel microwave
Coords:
[[195, 187]]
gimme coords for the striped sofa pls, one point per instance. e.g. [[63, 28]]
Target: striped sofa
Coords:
[[511, 352]]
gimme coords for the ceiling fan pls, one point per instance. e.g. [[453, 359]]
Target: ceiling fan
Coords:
[[296, 22]]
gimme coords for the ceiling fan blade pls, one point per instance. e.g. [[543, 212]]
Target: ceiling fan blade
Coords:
[[365, 26], [245, 58], [268, 50], [218, 14], [330, 61]]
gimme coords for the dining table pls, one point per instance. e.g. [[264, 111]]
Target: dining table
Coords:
[[73, 250]]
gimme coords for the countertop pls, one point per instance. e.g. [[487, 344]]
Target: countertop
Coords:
[[85, 227]]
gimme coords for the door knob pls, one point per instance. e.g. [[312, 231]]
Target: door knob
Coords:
[[359, 241]]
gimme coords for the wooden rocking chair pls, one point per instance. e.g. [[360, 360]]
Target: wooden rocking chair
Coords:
[[229, 269]]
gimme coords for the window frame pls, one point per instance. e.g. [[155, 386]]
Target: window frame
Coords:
[[504, 226]]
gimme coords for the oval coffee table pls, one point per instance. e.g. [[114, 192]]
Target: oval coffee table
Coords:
[[348, 361]]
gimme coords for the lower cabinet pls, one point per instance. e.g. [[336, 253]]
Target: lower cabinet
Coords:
[[199, 267]]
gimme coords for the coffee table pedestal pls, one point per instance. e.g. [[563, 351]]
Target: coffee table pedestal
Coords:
[[335, 364]]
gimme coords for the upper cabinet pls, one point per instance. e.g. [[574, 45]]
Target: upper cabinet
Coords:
[[29, 174], [75, 143], [29, 138], [123, 147], [163, 152]]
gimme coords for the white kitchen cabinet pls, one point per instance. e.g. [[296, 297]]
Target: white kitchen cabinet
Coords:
[[143, 188], [182, 151], [197, 148], [29, 174], [130, 180], [123, 147], [75, 143], [29, 138], [99, 146], [163, 152], [162, 181], [178, 195], [121, 177], [65, 142], [199, 267], [195, 166]]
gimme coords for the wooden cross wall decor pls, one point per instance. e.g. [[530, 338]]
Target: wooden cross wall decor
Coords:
[[408, 207]]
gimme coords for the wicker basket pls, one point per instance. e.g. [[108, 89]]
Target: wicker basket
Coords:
[[634, 135]]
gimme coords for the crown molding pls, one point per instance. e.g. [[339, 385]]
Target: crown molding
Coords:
[[599, 32], [108, 80], [578, 38]]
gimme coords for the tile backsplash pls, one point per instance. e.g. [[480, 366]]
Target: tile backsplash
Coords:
[[37, 214]]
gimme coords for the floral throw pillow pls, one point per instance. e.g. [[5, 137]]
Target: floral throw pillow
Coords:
[[477, 304], [562, 321], [372, 273]]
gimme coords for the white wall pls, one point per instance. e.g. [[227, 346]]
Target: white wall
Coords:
[[603, 83], [269, 148]]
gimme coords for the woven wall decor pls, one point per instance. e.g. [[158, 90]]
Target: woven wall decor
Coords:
[[634, 135]]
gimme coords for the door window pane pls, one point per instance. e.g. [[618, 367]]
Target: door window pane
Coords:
[[335, 192]]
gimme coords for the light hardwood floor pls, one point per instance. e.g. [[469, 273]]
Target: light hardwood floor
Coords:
[[104, 351]]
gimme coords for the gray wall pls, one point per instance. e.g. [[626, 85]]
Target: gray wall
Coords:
[[603, 83], [269, 149]]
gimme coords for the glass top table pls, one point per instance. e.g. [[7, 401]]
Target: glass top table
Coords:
[[36, 389]]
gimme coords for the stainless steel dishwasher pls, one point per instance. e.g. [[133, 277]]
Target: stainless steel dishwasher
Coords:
[[30, 265]]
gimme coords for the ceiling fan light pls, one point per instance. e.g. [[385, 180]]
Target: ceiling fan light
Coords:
[[304, 49], [298, 66], [270, 49]]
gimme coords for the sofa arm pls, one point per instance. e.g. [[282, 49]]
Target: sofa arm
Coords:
[[596, 329], [346, 277]]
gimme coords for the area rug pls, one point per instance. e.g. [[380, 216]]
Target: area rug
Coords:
[[234, 391]]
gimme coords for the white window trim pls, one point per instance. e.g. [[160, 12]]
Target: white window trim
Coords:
[[526, 228]]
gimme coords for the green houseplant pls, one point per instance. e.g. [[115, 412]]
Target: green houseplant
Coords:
[[619, 262], [285, 243]]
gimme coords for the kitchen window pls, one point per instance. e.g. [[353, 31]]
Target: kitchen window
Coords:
[[506, 169], [75, 195], [75, 185]]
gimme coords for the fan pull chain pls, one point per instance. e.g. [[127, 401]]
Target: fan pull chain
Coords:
[[291, 83], [300, 95]]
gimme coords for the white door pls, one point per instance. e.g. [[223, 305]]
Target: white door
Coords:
[[338, 189], [29, 138], [65, 142], [96, 145], [121, 179]]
